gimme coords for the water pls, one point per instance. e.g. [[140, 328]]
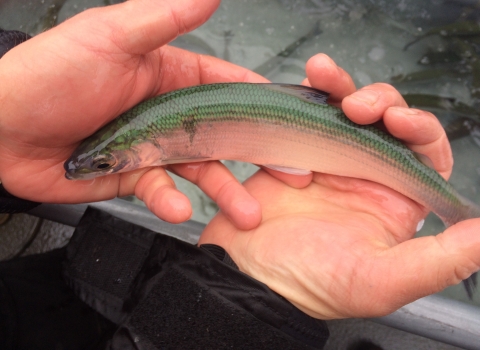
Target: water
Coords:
[[367, 38]]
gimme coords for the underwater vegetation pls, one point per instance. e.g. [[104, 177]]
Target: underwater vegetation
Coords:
[[50, 18], [452, 52], [466, 123], [268, 66]]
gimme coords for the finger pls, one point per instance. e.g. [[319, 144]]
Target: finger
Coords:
[[423, 134], [368, 104], [199, 69], [222, 187], [140, 26], [425, 265], [158, 192], [324, 74]]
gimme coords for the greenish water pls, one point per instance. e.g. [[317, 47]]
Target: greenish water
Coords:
[[429, 50]]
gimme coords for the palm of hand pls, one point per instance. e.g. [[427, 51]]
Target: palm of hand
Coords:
[[339, 248]]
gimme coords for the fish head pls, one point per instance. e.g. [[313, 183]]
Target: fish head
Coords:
[[112, 153]]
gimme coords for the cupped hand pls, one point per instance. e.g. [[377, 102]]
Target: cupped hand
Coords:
[[341, 247], [62, 85]]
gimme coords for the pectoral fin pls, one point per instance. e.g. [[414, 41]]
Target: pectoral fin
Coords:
[[287, 170]]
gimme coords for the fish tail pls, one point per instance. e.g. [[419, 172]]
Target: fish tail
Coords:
[[467, 210], [474, 212], [470, 285], [471, 211]]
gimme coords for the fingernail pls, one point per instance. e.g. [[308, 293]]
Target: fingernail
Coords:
[[366, 96]]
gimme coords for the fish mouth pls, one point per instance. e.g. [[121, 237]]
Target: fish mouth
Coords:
[[75, 172], [79, 176], [71, 168], [69, 176]]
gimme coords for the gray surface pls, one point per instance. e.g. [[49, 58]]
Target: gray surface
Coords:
[[51, 235], [345, 333], [439, 318], [16, 233], [70, 214]]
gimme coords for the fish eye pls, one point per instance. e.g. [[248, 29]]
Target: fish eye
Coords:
[[102, 162]]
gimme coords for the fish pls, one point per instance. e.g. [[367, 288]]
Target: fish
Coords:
[[279, 125], [423, 75], [441, 103], [466, 122], [460, 29], [290, 128], [50, 18], [461, 127], [439, 57], [228, 36]]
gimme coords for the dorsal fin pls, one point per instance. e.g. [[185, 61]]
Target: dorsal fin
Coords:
[[305, 93], [288, 170]]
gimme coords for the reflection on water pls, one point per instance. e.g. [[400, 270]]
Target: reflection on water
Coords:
[[428, 49]]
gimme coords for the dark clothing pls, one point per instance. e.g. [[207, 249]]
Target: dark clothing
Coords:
[[149, 291], [11, 38], [39, 311]]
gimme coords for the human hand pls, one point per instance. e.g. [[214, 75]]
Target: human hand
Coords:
[[340, 247], [62, 85]]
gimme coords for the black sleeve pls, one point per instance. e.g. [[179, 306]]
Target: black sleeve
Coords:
[[11, 38], [164, 293], [124, 287]]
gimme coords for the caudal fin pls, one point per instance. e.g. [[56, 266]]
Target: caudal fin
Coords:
[[470, 285], [471, 211]]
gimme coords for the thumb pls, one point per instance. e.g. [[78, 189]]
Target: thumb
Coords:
[[140, 26], [427, 265], [159, 21]]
